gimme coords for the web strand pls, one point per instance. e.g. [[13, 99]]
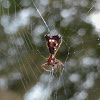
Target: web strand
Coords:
[[41, 16], [28, 50], [15, 60]]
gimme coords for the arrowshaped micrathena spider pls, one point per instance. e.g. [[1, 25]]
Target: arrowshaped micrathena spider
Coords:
[[53, 45]]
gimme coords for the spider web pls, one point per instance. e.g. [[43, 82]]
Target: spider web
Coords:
[[23, 49]]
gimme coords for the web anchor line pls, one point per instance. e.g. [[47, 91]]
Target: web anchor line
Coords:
[[41, 16]]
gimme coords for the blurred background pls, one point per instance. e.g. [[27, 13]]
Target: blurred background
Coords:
[[23, 24]]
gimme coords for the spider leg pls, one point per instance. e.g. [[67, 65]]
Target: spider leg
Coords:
[[44, 65], [57, 68], [59, 62], [47, 45], [58, 65], [60, 68], [46, 59]]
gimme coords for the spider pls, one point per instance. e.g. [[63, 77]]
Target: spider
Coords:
[[53, 45]]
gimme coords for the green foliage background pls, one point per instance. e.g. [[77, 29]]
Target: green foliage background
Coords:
[[32, 53]]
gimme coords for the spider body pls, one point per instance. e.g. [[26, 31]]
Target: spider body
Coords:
[[53, 45], [52, 42], [51, 59]]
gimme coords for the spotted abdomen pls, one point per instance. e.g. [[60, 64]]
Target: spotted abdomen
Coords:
[[52, 42]]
